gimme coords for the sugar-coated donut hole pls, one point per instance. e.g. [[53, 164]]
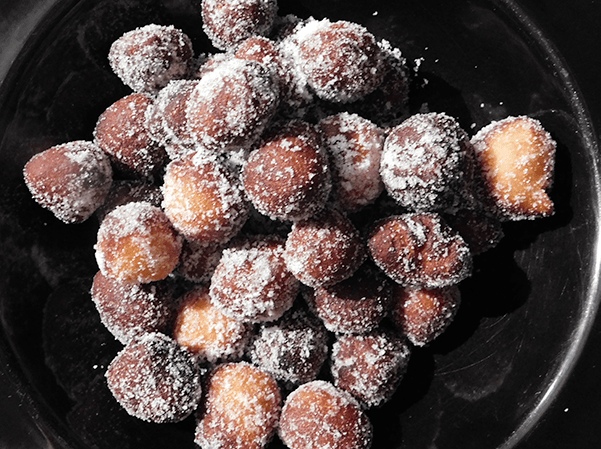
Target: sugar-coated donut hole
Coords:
[[516, 157], [354, 145], [355, 305], [419, 249], [317, 415], [424, 314], [251, 282], [241, 408], [198, 260], [131, 310], [205, 331], [229, 22], [292, 349], [122, 133], [324, 250], [425, 163], [155, 379], [203, 198], [71, 180], [288, 177], [137, 244], [147, 58], [370, 366]]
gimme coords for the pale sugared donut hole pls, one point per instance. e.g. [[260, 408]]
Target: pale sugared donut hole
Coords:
[[425, 163], [370, 366], [137, 244], [241, 408], [424, 314], [419, 250], [131, 310], [341, 60], [122, 133], [229, 22], [319, 415], [231, 105], [287, 177], [205, 331], [324, 250], [71, 180], [198, 260], [203, 199], [516, 157], [251, 282], [155, 379], [354, 145], [292, 349], [147, 58], [129, 191], [356, 305]]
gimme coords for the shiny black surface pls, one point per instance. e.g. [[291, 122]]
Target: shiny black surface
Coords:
[[510, 372]]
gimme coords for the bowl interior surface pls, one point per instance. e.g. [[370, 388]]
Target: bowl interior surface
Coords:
[[526, 310]]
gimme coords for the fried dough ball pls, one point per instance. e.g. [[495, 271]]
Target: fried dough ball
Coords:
[[198, 260], [287, 177], [356, 305], [147, 58], [231, 105], [205, 331], [424, 314], [229, 22], [370, 366], [342, 60], [155, 379], [122, 133], [516, 156], [292, 349], [251, 282], [130, 310], [419, 250], [129, 191], [241, 409], [324, 250], [354, 145], [137, 244], [318, 415], [203, 198], [71, 180], [425, 164]]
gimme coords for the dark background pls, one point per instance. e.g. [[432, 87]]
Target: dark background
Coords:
[[574, 419]]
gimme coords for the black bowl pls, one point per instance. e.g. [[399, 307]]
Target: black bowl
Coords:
[[526, 313]]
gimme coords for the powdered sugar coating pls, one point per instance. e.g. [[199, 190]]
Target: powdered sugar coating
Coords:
[[354, 145], [205, 331], [516, 157], [229, 22], [319, 415], [71, 180], [147, 58], [231, 105], [131, 310], [251, 282], [137, 244], [370, 366], [425, 163], [356, 305], [203, 198], [424, 314], [288, 176], [122, 133], [419, 249], [292, 349], [324, 250], [241, 408], [342, 60], [154, 379]]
